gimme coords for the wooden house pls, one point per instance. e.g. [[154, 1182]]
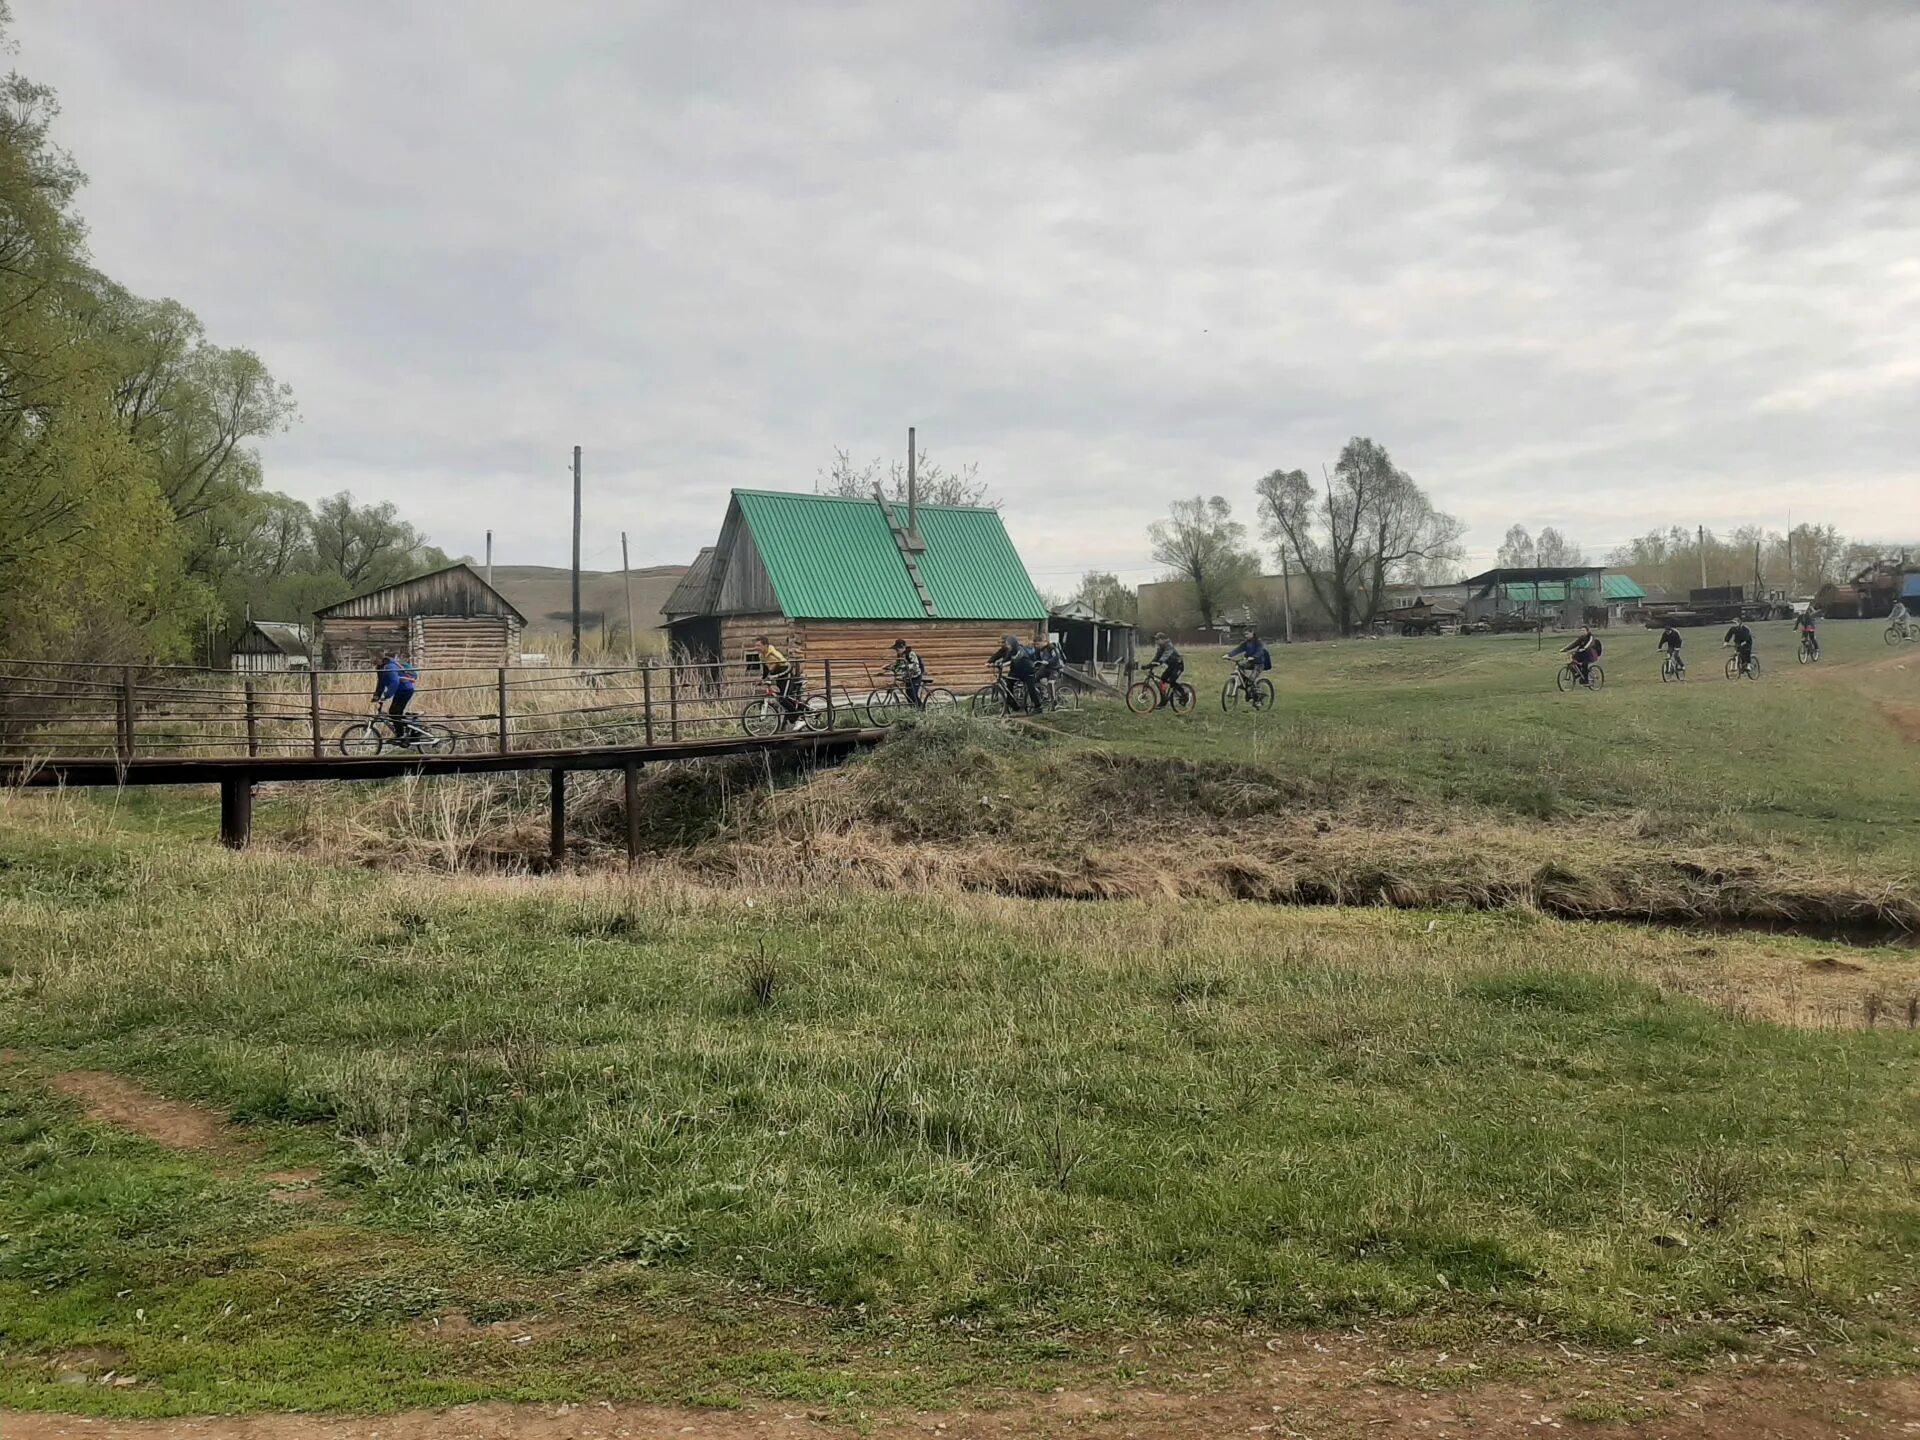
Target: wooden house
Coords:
[[450, 619], [830, 578], [272, 647]]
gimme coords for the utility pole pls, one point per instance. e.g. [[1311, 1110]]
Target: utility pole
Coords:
[[1703, 556], [489, 559], [1286, 589], [576, 555], [626, 579]]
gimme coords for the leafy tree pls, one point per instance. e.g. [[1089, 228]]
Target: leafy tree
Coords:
[[1373, 525], [1516, 551], [1108, 596], [88, 562], [190, 408], [1202, 544], [1523, 551], [934, 484], [368, 546], [1553, 548]]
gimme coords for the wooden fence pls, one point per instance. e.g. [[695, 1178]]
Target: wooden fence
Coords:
[[50, 710]]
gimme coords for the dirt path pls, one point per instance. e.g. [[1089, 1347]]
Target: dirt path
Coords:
[[1304, 1397], [112, 1100], [127, 1106]]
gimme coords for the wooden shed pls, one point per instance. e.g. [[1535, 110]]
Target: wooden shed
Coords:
[[840, 579], [271, 647], [450, 619]]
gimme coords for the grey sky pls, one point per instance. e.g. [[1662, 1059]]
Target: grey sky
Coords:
[[1598, 266]]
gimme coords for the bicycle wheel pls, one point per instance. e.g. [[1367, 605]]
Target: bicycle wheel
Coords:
[[362, 738], [1596, 677], [939, 698], [1566, 679], [1893, 636], [1184, 698], [762, 717], [1143, 697], [1733, 667], [1666, 672], [1806, 656], [1264, 697], [1230, 693], [817, 716], [989, 700], [440, 738], [1752, 668], [883, 709]]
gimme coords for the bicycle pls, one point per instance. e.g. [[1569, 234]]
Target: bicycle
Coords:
[[1737, 668], [1897, 633], [1146, 696], [884, 705], [1570, 677], [1248, 685], [1004, 695], [1809, 648], [1052, 694], [770, 713], [1672, 667], [368, 737]]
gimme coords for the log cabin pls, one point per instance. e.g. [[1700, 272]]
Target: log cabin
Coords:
[[832, 578], [450, 619]]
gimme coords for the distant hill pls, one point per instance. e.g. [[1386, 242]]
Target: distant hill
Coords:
[[544, 594]]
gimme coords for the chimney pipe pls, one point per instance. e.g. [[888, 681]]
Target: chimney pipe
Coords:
[[913, 496], [489, 557]]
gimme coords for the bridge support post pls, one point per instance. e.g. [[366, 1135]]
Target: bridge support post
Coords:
[[557, 817], [633, 813], [236, 811]]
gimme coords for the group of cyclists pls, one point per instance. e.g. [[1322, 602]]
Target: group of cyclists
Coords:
[[1031, 668], [1584, 650]]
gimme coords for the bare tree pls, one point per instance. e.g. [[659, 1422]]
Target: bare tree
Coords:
[[933, 482], [1202, 544], [1373, 525]]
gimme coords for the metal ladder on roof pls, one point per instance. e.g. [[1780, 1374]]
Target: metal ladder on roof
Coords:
[[909, 545]]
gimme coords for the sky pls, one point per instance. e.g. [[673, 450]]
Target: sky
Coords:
[[1604, 267]]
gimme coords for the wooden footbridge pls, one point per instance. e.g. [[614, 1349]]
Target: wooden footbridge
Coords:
[[91, 725]]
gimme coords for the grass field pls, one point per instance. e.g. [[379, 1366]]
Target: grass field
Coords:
[[847, 1131]]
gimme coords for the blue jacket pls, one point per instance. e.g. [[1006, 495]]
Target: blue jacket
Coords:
[[1255, 652], [396, 677]]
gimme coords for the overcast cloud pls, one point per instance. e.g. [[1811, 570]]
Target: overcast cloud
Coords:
[[1597, 266]]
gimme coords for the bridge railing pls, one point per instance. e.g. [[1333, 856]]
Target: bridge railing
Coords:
[[51, 710]]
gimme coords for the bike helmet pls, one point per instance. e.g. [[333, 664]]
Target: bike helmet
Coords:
[[899, 644]]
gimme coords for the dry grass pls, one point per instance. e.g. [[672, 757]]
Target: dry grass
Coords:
[[958, 807]]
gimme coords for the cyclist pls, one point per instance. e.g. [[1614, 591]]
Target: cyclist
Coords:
[[394, 682], [1669, 643], [1901, 619], [1585, 650], [1253, 653], [1808, 628], [1741, 638], [1048, 662], [1022, 667], [784, 676], [1172, 667], [912, 671]]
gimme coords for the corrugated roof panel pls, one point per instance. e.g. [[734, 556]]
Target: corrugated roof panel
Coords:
[[1621, 587], [972, 569], [829, 558], [835, 558]]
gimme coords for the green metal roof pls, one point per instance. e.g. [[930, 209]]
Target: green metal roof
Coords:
[[1613, 587], [831, 558]]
